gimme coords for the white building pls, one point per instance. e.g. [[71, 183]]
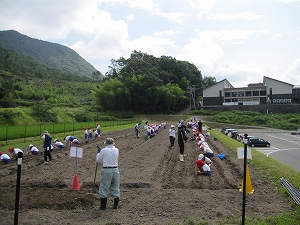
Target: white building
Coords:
[[271, 91]]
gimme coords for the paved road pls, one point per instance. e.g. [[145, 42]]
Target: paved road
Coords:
[[285, 147]]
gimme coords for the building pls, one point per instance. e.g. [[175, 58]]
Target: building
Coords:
[[270, 91]]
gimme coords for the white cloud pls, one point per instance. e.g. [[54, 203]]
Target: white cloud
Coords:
[[156, 46], [201, 51], [292, 75], [174, 17], [289, 1], [202, 5], [230, 41], [130, 17], [135, 4], [231, 16]]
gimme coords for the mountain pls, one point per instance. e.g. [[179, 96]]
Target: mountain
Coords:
[[53, 55]]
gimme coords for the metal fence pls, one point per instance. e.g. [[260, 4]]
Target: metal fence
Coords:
[[25, 132]]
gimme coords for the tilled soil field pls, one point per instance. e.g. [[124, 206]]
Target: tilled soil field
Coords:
[[156, 188]]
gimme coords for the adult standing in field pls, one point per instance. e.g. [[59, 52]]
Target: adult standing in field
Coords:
[[182, 138], [172, 135], [110, 176], [200, 124], [137, 129], [47, 147]]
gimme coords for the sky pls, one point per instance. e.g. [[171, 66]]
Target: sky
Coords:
[[238, 40]]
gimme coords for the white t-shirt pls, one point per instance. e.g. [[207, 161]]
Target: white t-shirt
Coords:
[[172, 132], [108, 156], [4, 156], [17, 150], [205, 168], [34, 149]]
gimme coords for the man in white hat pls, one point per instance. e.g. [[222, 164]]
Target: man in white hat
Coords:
[[110, 176]]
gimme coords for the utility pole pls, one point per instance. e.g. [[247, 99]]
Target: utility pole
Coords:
[[194, 95], [190, 97]]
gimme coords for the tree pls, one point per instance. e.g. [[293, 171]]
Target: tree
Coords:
[[111, 95], [208, 81], [96, 75]]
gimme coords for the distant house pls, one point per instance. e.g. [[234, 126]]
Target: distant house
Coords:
[[270, 91]]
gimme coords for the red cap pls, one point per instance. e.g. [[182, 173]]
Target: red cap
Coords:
[[1, 153], [10, 149]]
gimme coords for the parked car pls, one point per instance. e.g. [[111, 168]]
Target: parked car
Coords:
[[227, 131], [295, 131], [258, 142], [233, 134], [223, 130]]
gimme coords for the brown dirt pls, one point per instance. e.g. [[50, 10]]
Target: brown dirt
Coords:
[[156, 188]]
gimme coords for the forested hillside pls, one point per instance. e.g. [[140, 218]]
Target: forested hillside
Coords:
[[53, 55], [27, 83]]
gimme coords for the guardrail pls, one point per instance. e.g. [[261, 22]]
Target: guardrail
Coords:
[[293, 192]]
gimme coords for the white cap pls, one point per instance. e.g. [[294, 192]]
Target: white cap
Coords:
[[201, 156]]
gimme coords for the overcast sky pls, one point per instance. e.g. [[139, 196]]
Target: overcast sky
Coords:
[[241, 40]]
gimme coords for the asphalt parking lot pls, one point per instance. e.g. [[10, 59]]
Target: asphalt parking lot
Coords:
[[285, 147]]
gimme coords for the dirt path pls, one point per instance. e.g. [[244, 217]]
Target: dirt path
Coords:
[[156, 188]]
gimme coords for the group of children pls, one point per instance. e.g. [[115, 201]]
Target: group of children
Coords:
[[89, 134], [34, 151], [203, 162], [152, 129], [92, 134]]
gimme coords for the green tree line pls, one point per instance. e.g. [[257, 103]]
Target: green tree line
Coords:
[[148, 84]]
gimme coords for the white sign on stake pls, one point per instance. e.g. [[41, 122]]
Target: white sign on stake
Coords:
[[73, 152], [240, 152]]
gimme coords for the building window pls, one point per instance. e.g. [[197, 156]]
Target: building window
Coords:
[[241, 93], [227, 93], [263, 93], [255, 93], [234, 94], [248, 93]]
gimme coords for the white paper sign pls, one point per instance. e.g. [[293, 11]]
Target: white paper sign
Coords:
[[241, 152], [73, 151]]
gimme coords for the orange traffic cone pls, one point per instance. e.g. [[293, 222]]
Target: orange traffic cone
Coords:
[[76, 185], [249, 188]]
